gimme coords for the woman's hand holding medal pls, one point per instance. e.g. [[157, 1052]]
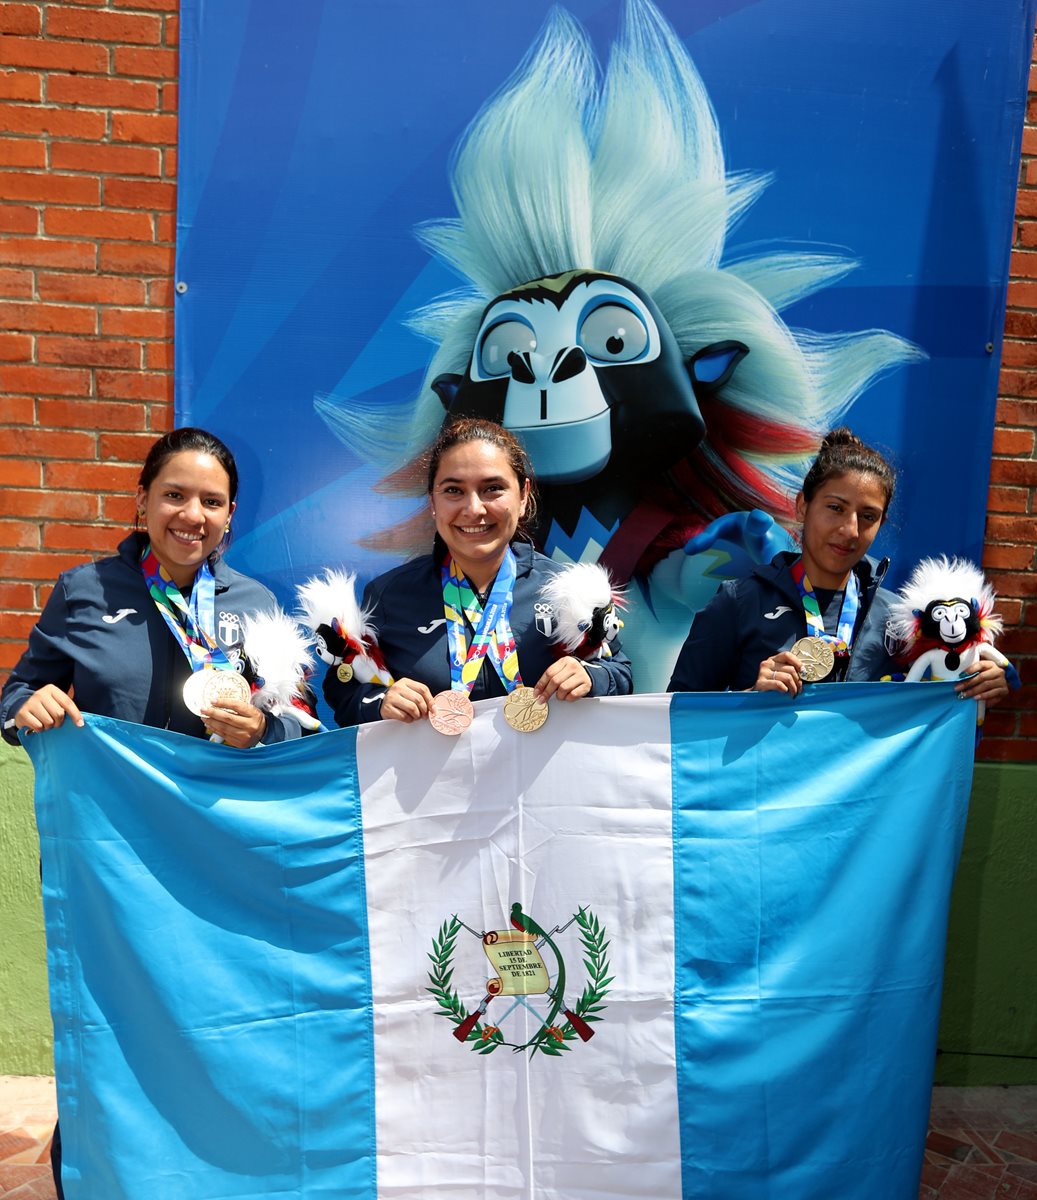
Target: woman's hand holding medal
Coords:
[[236, 722], [222, 700], [781, 672]]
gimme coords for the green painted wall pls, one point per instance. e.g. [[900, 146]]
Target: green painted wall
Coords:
[[25, 1030], [988, 1030]]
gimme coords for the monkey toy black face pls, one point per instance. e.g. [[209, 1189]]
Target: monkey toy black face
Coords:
[[950, 622], [584, 369], [606, 624], [329, 644]]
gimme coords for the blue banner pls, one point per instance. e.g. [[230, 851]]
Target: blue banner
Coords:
[[871, 163]]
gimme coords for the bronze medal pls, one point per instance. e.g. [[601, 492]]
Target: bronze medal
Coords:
[[344, 672], [817, 657], [523, 711], [451, 713], [221, 686]]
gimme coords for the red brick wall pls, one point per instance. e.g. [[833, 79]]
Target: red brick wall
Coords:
[[87, 195], [88, 100], [1010, 555]]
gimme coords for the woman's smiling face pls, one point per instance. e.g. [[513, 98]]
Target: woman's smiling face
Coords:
[[477, 503], [840, 522], [186, 509]]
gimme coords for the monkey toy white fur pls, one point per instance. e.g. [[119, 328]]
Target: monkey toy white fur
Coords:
[[584, 610], [944, 620], [342, 630]]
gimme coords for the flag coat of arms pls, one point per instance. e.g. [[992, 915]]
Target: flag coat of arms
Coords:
[[683, 947]]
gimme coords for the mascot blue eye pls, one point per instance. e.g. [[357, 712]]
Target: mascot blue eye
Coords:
[[502, 339], [613, 333]]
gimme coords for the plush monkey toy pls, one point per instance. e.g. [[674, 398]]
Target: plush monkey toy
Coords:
[[944, 620], [583, 610], [343, 635]]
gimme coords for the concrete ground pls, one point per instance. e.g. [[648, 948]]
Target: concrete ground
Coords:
[[982, 1142]]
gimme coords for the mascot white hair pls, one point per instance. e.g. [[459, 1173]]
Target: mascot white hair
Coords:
[[944, 621], [604, 321]]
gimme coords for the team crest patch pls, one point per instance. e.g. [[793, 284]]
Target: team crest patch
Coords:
[[544, 617], [521, 981], [229, 628]]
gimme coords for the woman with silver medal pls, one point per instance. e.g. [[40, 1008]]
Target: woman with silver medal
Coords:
[[164, 633], [818, 616], [119, 637], [468, 621]]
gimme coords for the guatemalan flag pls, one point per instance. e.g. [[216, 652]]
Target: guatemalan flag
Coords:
[[664, 947]]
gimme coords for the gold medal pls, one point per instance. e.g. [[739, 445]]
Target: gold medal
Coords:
[[817, 658], [344, 672], [451, 713], [523, 711], [221, 686]]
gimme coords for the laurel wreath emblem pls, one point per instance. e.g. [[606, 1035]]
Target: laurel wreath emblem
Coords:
[[484, 1037]]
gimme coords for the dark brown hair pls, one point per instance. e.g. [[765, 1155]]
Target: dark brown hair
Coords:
[[841, 452], [474, 429], [188, 439], [191, 440]]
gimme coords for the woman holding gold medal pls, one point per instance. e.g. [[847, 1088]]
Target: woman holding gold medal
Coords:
[[817, 616], [462, 623], [164, 633]]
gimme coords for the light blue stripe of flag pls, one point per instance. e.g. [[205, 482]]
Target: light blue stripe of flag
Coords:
[[815, 846], [207, 941]]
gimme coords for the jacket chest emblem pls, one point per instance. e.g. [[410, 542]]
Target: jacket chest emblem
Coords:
[[544, 617], [229, 628]]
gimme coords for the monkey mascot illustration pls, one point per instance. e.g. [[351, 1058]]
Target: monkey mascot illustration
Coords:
[[668, 410]]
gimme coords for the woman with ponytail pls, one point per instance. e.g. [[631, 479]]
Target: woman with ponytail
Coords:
[[819, 615]]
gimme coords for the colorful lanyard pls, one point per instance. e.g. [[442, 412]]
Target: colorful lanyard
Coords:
[[193, 625], [490, 622], [843, 638]]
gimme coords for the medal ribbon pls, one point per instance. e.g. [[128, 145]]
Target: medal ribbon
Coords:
[[843, 638], [492, 636], [192, 624]]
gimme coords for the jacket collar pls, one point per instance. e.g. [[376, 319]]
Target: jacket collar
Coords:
[[869, 571], [523, 552], [132, 547]]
